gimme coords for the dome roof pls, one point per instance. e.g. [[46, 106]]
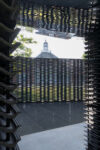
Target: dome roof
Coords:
[[45, 46], [46, 53], [45, 43]]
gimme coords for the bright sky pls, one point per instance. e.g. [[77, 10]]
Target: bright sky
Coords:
[[62, 48]]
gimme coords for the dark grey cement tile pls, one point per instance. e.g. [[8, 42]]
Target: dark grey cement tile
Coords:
[[36, 117]]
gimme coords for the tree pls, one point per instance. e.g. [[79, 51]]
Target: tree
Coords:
[[23, 49], [84, 56]]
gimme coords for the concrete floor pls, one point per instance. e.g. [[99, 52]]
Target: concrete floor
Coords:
[[37, 117], [65, 138]]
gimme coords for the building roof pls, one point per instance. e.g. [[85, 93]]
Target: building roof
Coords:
[[46, 53]]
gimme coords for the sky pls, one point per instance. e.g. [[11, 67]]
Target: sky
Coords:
[[62, 48]]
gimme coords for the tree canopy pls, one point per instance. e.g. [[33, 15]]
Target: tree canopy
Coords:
[[23, 50]]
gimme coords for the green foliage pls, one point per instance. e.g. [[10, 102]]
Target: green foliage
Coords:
[[25, 39], [27, 52], [29, 29], [84, 56], [24, 50]]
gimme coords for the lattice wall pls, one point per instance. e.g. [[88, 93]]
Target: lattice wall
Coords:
[[93, 83], [52, 17], [8, 110], [49, 80]]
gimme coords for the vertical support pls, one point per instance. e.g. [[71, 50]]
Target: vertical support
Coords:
[[30, 79], [78, 80], [32, 14], [47, 18], [65, 80], [69, 79], [19, 90], [40, 63], [83, 22], [52, 18], [36, 76], [68, 12], [79, 21], [81, 75], [61, 20], [43, 14], [22, 85], [74, 80], [27, 14], [23, 15], [44, 70], [53, 77], [65, 20], [26, 85], [58, 80], [48, 82], [33, 80], [61, 79]]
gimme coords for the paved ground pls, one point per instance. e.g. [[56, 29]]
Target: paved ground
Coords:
[[66, 138], [36, 117]]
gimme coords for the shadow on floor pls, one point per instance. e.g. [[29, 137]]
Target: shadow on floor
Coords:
[[36, 117]]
